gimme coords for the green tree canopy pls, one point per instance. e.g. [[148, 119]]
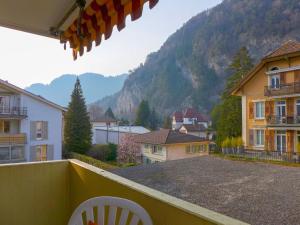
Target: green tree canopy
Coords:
[[109, 113], [167, 122], [77, 131], [143, 114], [153, 120], [227, 115]]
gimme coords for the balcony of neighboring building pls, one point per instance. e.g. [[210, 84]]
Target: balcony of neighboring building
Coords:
[[283, 82], [10, 106], [47, 193], [283, 120]]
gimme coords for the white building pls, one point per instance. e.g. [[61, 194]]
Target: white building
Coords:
[[30, 126], [114, 134]]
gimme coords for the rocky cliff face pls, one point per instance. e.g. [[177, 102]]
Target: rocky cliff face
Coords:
[[190, 68]]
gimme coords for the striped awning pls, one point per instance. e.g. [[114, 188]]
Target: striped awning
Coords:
[[98, 19]]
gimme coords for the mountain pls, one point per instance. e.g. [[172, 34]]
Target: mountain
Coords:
[[190, 67], [95, 87]]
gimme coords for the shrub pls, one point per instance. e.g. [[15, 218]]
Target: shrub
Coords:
[[104, 152], [240, 142], [226, 143]]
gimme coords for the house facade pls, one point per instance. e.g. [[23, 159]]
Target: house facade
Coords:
[[165, 145], [30, 126], [115, 134], [192, 122], [271, 101]]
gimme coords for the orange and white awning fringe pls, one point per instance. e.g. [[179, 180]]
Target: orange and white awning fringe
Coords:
[[99, 18]]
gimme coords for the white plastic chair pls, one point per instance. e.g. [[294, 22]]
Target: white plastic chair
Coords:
[[139, 214]]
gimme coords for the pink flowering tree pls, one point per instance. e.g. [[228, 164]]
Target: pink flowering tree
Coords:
[[128, 150]]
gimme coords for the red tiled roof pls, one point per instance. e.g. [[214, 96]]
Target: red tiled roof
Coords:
[[191, 113], [166, 136], [287, 48], [178, 117]]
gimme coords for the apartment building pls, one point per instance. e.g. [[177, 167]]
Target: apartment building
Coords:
[[271, 101], [30, 126]]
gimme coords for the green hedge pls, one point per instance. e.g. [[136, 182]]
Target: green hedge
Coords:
[[92, 161]]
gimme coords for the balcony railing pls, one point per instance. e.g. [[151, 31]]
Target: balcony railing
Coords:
[[283, 120], [12, 139], [283, 89], [13, 112], [47, 193]]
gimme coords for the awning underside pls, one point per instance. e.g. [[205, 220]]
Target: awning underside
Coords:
[[63, 19], [98, 19]]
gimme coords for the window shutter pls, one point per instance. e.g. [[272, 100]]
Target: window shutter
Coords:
[[267, 137], [271, 140], [282, 78], [50, 152], [32, 154], [32, 130], [251, 137], [251, 110], [297, 76], [267, 108], [290, 107], [45, 130]]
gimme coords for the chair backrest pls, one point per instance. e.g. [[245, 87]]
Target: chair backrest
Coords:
[[125, 206]]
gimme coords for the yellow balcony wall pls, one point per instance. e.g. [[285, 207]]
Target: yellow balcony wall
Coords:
[[47, 193], [19, 139]]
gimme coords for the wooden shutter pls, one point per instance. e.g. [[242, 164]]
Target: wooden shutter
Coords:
[[50, 152], [251, 110], [251, 137], [282, 78], [271, 140], [32, 154], [32, 130], [290, 106], [267, 109], [290, 140], [267, 136], [45, 130], [297, 76]]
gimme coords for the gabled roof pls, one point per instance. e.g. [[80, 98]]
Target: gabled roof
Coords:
[[165, 136], [191, 113], [178, 117], [288, 49], [193, 127], [29, 94]]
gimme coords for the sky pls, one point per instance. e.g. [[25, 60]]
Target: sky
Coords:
[[26, 58]]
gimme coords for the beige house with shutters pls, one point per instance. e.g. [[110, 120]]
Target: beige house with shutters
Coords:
[[30, 126], [271, 101]]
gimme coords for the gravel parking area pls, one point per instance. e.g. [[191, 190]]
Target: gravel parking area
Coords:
[[257, 193]]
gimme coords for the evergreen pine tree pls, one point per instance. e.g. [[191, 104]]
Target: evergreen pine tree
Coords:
[[167, 123], [227, 115], [153, 120], [77, 131], [109, 113], [143, 114]]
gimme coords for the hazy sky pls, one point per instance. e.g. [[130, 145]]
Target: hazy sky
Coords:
[[27, 58]]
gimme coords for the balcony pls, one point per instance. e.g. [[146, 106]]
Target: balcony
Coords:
[[47, 193], [284, 89], [12, 139], [13, 112], [283, 120]]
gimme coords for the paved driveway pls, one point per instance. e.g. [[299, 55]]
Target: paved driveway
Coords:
[[257, 193]]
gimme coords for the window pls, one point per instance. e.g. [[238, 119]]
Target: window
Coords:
[[4, 153], [17, 152], [39, 130], [280, 108], [275, 81], [298, 107], [281, 141], [41, 153], [260, 138], [192, 149], [259, 110], [156, 149]]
